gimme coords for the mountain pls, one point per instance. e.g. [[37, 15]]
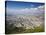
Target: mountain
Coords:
[[31, 11]]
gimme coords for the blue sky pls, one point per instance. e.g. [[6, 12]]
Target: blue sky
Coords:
[[20, 5], [15, 7]]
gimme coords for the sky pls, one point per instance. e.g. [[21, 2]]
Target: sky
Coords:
[[20, 5], [24, 7]]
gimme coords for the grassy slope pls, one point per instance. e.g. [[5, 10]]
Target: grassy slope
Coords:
[[23, 30]]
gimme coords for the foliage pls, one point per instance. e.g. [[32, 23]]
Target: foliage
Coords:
[[23, 30]]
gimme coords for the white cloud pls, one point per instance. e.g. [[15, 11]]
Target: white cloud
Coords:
[[37, 10]]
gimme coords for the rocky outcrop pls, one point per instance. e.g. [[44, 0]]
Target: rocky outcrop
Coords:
[[24, 21]]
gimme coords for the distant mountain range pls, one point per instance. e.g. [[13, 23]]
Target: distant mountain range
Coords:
[[32, 11]]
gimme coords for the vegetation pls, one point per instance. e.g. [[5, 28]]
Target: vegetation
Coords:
[[19, 24], [23, 30]]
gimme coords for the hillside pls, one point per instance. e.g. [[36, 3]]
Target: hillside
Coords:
[[21, 22]]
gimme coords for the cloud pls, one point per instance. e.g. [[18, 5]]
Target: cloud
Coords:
[[32, 11]]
